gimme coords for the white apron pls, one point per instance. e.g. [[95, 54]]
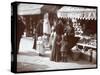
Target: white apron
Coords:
[[39, 46]]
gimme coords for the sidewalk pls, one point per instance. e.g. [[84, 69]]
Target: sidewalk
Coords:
[[29, 60]]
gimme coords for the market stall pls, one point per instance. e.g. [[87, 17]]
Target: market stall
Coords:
[[84, 21]]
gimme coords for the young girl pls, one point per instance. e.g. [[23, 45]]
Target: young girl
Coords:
[[40, 46]]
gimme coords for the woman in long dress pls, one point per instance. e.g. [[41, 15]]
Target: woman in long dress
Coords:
[[35, 39], [56, 54], [67, 43], [52, 37]]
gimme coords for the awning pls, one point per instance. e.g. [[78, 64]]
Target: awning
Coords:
[[29, 9], [77, 12], [50, 8]]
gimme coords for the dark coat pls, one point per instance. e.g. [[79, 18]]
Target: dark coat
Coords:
[[19, 31], [59, 29], [20, 28]]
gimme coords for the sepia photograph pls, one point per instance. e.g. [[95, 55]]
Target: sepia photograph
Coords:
[[55, 37]]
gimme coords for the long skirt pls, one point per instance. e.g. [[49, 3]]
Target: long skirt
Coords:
[[64, 52], [56, 54]]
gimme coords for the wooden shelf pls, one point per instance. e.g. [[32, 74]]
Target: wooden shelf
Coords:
[[86, 45]]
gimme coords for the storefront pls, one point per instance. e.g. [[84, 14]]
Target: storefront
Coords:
[[31, 14]]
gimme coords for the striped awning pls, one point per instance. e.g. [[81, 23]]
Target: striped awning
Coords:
[[77, 12]]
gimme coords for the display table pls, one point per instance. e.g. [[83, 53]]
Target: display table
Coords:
[[86, 45], [90, 55]]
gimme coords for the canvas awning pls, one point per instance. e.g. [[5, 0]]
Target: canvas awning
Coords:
[[50, 8], [77, 12], [29, 9]]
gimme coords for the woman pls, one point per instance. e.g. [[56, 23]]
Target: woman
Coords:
[[70, 39], [20, 29], [56, 54], [35, 38], [52, 37]]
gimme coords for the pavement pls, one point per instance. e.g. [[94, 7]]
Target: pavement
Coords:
[[29, 60]]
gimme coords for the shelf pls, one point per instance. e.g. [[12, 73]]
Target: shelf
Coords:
[[86, 45]]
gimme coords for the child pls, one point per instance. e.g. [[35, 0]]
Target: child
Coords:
[[64, 48], [40, 46]]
